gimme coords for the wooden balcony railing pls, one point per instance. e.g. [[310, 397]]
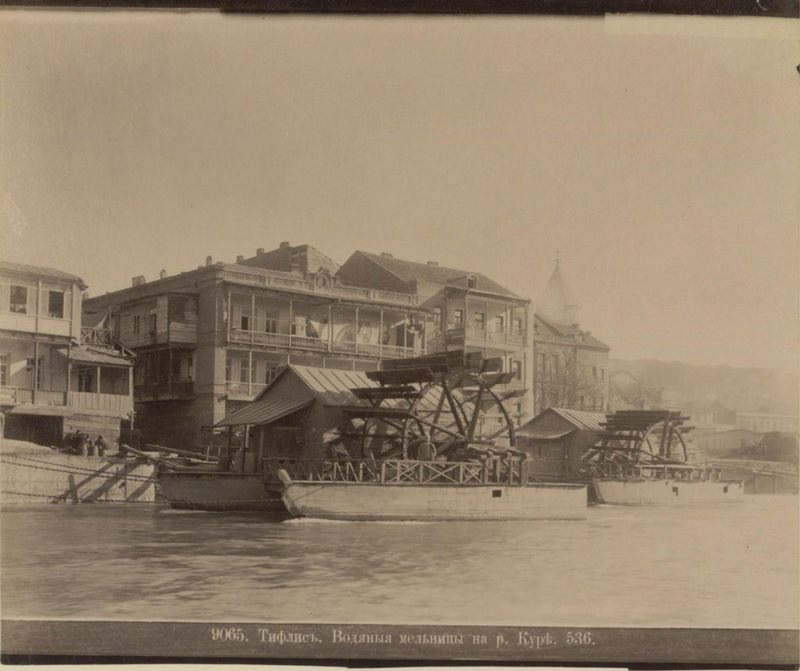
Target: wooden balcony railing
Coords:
[[321, 344], [271, 278]]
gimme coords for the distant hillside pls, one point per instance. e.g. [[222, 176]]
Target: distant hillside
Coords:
[[741, 389]]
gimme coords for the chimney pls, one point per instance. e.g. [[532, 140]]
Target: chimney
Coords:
[[239, 258], [433, 263], [387, 255], [162, 274], [209, 260], [285, 245], [260, 251], [136, 281]]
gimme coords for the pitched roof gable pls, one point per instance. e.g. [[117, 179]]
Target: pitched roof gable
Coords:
[[409, 271]]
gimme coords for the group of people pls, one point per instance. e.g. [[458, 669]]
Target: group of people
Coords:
[[80, 443]]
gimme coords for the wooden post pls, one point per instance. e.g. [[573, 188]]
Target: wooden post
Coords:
[[383, 472], [98, 387], [356, 332], [330, 327], [252, 323], [380, 336], [35, 369], [250, 372], [230, 315], [291, 321], [169, 372], [405, 334], [245, 440], [69, 375]]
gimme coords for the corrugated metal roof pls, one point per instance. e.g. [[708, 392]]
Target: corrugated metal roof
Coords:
[[265, 411], [582, 419], [85, 354], [40, 270], [332, 386]]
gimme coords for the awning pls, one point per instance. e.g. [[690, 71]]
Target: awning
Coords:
[[542, 434], [91, 355], [264, 412]]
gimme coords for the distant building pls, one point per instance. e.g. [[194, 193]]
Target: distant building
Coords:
[[466, 310], [57, 376], [723, 443], [764, 422], [571, 367], [627, 392]]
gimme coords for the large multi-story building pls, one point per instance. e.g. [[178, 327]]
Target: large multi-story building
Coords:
[[210, 339], [570, 364], [57, 376], [466, 310]]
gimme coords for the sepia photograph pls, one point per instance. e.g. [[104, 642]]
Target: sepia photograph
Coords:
[[416, 338]]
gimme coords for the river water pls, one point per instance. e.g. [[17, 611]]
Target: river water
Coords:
[[729, 565]]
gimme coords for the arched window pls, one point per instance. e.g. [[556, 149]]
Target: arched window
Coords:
[[472, 282]]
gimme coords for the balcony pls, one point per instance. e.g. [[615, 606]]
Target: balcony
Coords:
[[289, 281], [173, 390], [284, 340], [85, 400], [476, 337]]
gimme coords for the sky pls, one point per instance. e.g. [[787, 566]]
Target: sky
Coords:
[[662, 167]]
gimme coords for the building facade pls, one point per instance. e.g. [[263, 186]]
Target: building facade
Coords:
[[570, 365], [211, 339], [764, 422], [57, 376], [465, 310]]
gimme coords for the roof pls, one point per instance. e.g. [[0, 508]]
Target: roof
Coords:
[[331, 386], [580, 419], [413, 270], [264, 411], [42, 271], [96, 355], [570, 333]]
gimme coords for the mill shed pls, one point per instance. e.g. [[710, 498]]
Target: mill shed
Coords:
[[294, 415], [557, 438]]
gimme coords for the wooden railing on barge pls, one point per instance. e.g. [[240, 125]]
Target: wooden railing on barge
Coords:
[[499, 471], [656, 471]]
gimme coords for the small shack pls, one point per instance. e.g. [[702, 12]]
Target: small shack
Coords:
[[291, 417], [557, 438]]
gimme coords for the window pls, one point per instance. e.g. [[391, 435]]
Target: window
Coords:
[[516, 368], [516, 325], [228, 368], [190, 368], [458, 317], [242, 371], [19, 299], [580, 402], [479, 320], [244, 320], [602, 374], [541, 362], [55, 304], [137, 324], [594, 372], [472, 282], [153, 323], [4, 364], [499, 324], [437, 317], [555, 369], [271, 322], [269, 373]]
